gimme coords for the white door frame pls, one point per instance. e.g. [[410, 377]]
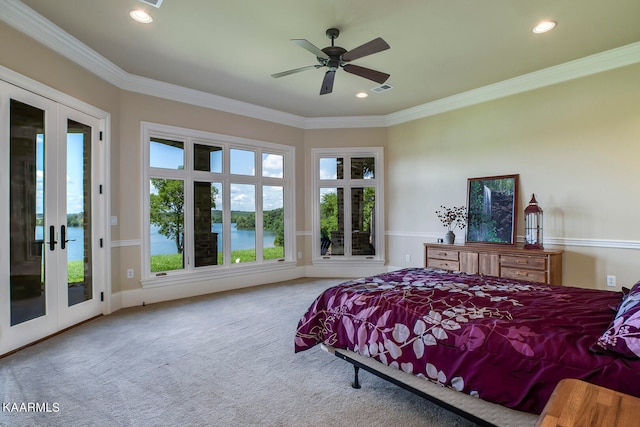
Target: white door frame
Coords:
[[59, 106]]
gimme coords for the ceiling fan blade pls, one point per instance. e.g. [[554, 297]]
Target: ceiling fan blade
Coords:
[[305, 44], [374, 46], [295, 70], [327, 83], [367, 73]]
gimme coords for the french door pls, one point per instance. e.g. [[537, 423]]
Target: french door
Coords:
[[48, 252]]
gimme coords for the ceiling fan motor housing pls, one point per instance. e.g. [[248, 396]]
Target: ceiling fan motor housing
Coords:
[[334, 53]]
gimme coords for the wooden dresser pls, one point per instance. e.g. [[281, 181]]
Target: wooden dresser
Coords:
[[515, 263]]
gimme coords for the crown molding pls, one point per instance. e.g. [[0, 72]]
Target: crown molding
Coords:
[[199, 98], [593, 64], [346, 122], [24, 19]]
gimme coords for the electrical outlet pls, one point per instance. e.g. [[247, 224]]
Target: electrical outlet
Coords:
[[407, 258], [130, 273], [299, 254], [611, 281]]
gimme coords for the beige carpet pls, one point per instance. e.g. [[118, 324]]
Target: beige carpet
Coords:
[[220, 360]]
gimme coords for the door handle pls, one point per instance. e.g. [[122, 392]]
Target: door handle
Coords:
[[63, 237], [52, 238]]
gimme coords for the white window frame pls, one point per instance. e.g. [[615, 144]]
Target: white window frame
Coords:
[[377, 182], [190, 137]]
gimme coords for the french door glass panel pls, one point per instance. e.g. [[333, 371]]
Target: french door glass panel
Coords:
[[75, 238], [26, 207]]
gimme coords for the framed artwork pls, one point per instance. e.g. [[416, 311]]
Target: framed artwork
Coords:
[[491, 212]]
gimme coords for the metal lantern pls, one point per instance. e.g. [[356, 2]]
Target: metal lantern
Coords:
[[533, 225]]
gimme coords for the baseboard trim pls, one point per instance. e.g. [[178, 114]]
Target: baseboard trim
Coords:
[[204, 286]]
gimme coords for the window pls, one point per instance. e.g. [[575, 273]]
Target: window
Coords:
[[348, 201], [215, 203]]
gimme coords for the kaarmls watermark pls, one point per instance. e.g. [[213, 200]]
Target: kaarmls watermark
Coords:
[[51, 407]]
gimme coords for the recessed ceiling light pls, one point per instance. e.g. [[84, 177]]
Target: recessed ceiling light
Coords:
[[141, 16], [544, 26], [362, 95]]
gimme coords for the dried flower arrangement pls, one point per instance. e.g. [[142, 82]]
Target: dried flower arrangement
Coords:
[[453, 217]]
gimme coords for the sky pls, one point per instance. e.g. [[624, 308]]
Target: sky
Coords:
[[75, 184], [242, 162]]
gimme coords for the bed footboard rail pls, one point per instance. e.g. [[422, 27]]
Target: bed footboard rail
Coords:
[[483, 413]]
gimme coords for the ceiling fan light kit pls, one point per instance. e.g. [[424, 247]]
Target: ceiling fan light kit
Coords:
[[335, 57]]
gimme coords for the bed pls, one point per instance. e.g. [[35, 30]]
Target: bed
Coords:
[[504, 341]]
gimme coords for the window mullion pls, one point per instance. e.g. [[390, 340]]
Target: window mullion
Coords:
[[259, 222], [189, 221]]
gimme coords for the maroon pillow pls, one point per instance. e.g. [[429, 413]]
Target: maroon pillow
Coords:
[[623, 334], [625, 295]]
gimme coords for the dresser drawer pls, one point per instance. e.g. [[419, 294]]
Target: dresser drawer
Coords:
[[443, 264], [536, 263], [543, 266], [442, 254], [523, 274]]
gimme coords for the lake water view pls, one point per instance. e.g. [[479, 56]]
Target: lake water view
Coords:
[[240, 239]]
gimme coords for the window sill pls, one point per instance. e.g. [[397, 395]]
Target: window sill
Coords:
[[178, 278]]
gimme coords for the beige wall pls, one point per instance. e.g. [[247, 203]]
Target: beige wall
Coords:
[[575, 145], [136, 108]]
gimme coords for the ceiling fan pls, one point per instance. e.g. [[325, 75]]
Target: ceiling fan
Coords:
[[335, 57]]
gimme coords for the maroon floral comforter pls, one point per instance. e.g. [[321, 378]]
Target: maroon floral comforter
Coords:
[[505, 341]]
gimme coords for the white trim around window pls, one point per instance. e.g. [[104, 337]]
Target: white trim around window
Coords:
[[348, 255], [225, 180]]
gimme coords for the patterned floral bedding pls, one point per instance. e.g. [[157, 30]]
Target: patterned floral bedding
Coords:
[[504, 341]]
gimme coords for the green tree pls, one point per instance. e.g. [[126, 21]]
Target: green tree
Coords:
[[369, 206], [167, 209], [274, 221], [328, 214], [244, 220]]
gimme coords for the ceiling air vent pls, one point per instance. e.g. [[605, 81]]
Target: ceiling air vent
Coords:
[[382, 88], [154, 3]]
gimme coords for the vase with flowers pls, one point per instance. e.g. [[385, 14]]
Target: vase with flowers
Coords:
[[452, 218]]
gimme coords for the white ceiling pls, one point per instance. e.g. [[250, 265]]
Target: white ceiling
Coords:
[[439, 48]]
